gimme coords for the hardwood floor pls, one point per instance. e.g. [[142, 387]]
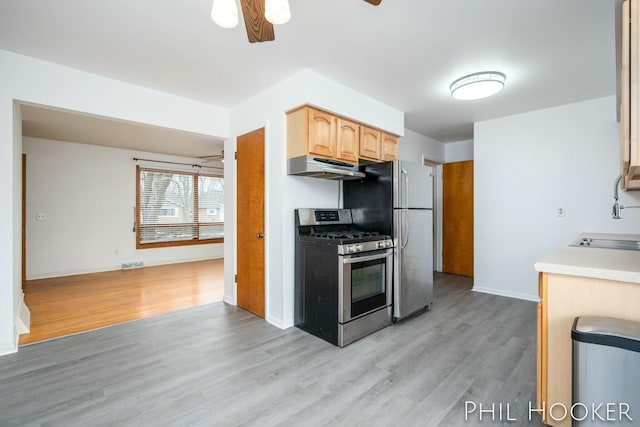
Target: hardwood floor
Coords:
[[66, 305], [219, 365]]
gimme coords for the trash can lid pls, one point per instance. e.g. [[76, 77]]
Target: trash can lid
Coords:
[[607, 331]]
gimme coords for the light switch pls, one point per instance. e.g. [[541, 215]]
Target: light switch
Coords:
[[41, 216]]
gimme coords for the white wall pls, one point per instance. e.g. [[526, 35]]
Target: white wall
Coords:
[[527, 166], [284, 193], [88, 194], [416, 147], [35, 81], [459, 151]]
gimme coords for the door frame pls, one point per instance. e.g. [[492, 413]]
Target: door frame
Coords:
[[24, 218]]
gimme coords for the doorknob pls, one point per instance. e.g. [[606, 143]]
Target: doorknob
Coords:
[[260, 235]]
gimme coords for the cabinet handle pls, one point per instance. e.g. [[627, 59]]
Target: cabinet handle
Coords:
[[260, 235]]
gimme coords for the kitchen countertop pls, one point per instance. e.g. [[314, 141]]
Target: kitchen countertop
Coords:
[[610, 264]]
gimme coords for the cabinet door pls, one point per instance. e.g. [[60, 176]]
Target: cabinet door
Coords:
[[625, 105], [629, 97], [389, 147], [322, 133], [348, 141], [631, 120], [541, 345], [369, 143]]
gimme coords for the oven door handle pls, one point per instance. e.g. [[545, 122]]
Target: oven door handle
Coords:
[[352, 260]]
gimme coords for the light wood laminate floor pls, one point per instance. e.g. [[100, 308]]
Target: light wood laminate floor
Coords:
[[66, 305], [219, 365]]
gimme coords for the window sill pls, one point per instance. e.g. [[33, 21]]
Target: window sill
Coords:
[[177, 243]]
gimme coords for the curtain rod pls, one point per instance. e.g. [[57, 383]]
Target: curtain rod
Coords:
[[136, 159]]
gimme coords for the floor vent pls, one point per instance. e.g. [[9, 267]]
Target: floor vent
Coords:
[[130, 265]]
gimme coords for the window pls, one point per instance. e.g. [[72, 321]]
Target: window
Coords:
[[169, 212], [178, 208]]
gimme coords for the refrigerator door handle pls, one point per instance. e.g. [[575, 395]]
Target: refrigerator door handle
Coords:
[[405, 229], [405, 189]]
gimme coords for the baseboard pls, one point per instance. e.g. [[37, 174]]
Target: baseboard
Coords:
[[76, 272], [229, 300], [288, 324], [8, 349], [23, 317], [503, 293], [276, 322]]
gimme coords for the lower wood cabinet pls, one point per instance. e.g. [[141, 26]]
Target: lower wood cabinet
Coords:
[[563, 298]]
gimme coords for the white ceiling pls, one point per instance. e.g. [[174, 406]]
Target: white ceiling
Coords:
[[47, 123], [404, 53]]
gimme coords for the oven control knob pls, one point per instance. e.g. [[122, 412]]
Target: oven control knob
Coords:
[[383, 244], [355, 248]]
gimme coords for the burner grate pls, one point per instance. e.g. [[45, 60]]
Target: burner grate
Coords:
[[344, 234]]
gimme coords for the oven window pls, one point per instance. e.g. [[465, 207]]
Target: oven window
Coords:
[[368, 286]]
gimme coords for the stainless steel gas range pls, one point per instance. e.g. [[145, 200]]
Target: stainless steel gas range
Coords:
[[343, 276]]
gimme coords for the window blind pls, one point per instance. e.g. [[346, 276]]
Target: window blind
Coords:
[[175, 206]]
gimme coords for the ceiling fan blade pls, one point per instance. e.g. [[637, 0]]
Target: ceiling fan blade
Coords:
[[374, 2], [258, 28]]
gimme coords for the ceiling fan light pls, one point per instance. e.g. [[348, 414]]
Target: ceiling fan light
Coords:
[[225, 13], [277, 11], [477, 85]]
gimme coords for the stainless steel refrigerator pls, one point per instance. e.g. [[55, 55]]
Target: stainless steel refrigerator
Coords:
[[396, 198]]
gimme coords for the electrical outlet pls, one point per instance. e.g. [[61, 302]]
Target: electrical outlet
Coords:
[[561, 212], [41, 216]]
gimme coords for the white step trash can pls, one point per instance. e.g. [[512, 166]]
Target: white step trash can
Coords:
[[606, 372]]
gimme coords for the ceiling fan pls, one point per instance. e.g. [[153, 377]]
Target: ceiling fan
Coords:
[[259, 16], [212, 158]]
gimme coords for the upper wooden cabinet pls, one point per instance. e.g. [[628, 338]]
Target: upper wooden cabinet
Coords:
[[322, 133], [347, 140], [370, 143], [389, 147], [377, 146], [630, 96], [311, 131]]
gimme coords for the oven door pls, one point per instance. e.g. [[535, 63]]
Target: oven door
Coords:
[[365, 283]]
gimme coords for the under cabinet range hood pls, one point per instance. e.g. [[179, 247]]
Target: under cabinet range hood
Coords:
[[319, 167]]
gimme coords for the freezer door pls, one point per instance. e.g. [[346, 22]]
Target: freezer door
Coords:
[[412, 185], [413, 261]]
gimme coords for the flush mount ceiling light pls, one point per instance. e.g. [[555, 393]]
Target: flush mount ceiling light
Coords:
[[478, 85], [225, 13]]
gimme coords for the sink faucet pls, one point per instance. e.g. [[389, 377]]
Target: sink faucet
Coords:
[[617, 207]]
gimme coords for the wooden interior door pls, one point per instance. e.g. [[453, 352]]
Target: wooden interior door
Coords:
[[457, 218], [250, 222]]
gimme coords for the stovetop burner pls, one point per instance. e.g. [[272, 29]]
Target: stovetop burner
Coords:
[[336, 227], [344, 235]]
